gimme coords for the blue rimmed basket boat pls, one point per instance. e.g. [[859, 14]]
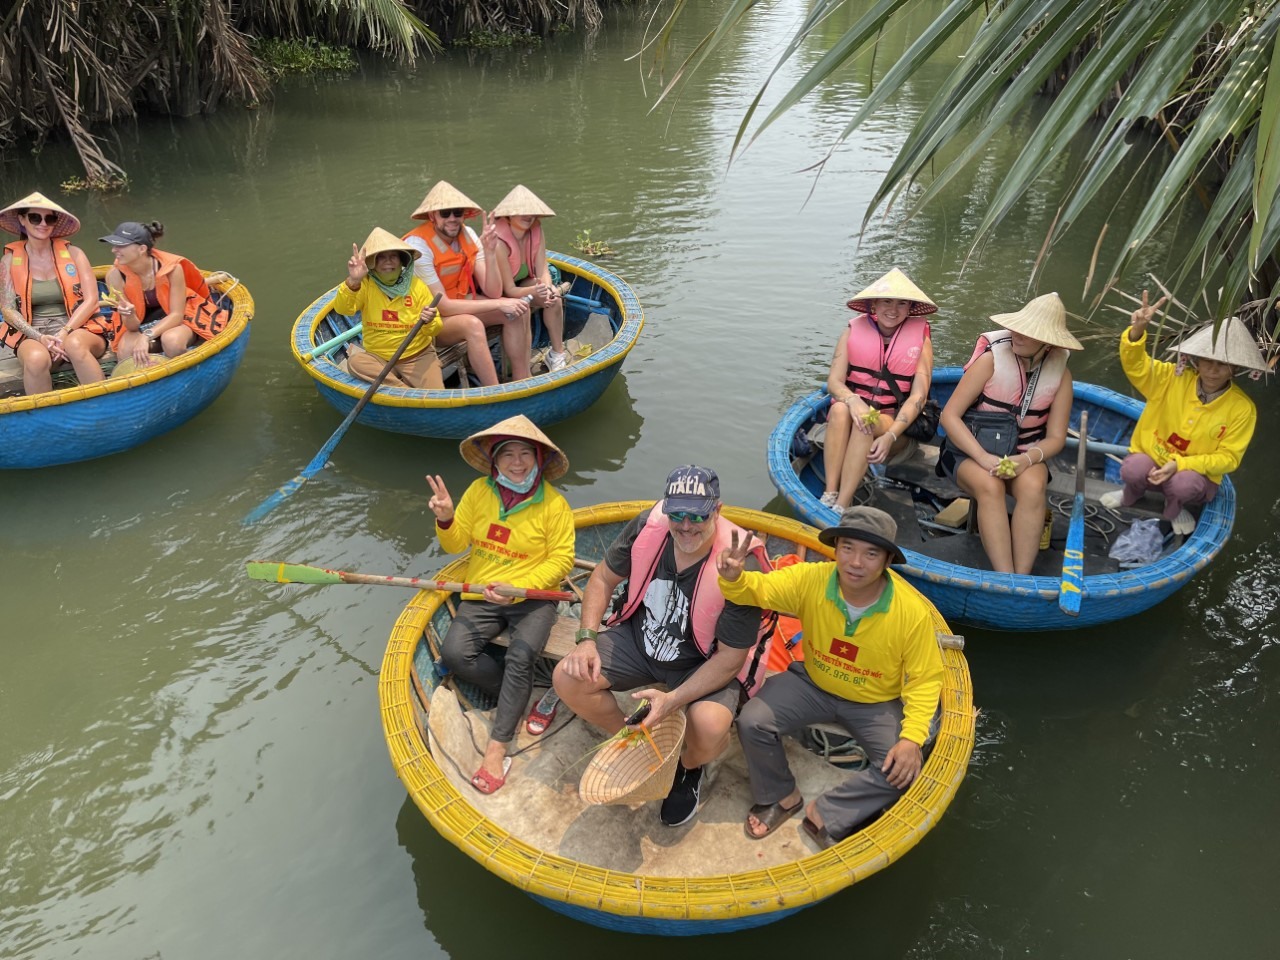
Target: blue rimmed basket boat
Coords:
[[545, 398], [951, 569], [594, 875], [99, 419]]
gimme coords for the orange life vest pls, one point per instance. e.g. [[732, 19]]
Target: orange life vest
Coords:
[[68, 280], [205, 318], [455, 268]]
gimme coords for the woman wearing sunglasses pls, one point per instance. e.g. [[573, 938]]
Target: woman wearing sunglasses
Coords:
[[521, 259], [48, 295], [162, 292]]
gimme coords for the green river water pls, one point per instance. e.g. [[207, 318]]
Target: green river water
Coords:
[[192, 765]]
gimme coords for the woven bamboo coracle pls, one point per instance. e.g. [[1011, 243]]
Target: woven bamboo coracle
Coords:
[[635, 768]]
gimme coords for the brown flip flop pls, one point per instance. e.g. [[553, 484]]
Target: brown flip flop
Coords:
[[771, 815], [817, 834]]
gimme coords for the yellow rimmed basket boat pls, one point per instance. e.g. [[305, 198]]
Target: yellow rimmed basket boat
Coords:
[[618, 867], [98, 419]]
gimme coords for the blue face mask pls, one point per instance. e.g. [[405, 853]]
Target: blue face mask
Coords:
[[522, 486]]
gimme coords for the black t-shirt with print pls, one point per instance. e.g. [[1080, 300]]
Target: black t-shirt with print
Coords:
[[665, 627]]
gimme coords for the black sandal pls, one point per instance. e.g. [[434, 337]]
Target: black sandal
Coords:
[[771, 816]]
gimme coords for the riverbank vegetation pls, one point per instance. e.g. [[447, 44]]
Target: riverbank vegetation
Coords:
[[1202, 75], [67, 68]]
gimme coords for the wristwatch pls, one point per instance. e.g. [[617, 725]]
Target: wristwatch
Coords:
[[585, 633]]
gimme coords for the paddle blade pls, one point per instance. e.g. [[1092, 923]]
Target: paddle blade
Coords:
[[275, 572], [1071, 589]]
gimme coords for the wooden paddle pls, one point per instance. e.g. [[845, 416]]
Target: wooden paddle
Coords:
[[320, 459], [329, 345], [279, 572], [1070, 590]]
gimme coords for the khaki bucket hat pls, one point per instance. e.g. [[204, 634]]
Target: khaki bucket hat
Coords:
[[522, 202], [870, 525], [382, 241], [1043, 319], [475, 449], [445, 196], [1234, 345], [11, 222], [894, 285]]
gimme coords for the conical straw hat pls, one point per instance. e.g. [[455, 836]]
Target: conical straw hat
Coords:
[[1234, 345], [1043, 319], [522, 202], [10, 222], [380, 241], [894, 285], [445, 196], [475, 449]]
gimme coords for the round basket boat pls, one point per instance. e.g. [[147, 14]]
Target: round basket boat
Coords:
[[713, 879], [98, 419], [602, 314], [950, 567]]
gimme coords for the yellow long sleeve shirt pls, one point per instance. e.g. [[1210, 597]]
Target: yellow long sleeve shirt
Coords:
[[1207, 438], [889, 652], [386, 321], [529, 546]]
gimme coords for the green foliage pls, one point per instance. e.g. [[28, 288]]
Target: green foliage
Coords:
[[1196, 72], [96, 183], [485, 39], [591, 248], [284, 57]]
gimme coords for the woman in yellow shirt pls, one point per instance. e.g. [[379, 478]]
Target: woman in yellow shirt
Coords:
[[520, 533], [1197, 422], [382, 288]]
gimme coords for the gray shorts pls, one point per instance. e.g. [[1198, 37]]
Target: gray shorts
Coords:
[[624, 665]]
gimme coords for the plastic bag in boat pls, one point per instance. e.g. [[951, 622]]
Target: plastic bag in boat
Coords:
[[1141, 543]]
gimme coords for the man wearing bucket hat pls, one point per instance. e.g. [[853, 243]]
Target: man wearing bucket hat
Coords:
[[1007, 416], [674, 628], [455, 263], [871, 663], [519, 532], [884, 362], [1196, 424], [382, 287], [48, 295], [521, 262]]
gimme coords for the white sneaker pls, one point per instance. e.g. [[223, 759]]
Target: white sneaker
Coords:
[[1183, 523], [829, 499], [1112, 499], [557, 361]]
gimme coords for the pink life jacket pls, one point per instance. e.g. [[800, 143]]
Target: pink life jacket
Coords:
[[1008, 384], [707, 600], [519, 251], [867, 357]]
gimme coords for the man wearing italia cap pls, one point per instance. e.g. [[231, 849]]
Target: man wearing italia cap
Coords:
[[673, 628], [871, 663]]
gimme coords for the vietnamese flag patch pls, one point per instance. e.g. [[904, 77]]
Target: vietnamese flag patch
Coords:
[[498, 533], [844, 649], [390, 316]]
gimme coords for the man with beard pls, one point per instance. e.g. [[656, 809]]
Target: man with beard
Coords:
[[454, 263], [673, 628]]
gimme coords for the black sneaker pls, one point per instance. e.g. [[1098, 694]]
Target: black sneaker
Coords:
[[685, 798]]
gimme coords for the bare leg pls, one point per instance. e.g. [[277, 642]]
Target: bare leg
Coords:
[[177, 339], [839, 423], [553, 319], [993, 517], [517, 339], [36, 367], [467, 326], [855, 465], [1028, 516], [707, 734], [83, 350], [592, 700]]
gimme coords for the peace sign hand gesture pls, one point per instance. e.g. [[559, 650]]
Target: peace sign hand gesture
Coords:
[[730, 562], [441, 503], [1139, 319], [357, 269], [489, 234]]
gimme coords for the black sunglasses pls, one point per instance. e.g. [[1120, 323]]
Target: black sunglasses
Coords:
[[35, 219], [456, 212]]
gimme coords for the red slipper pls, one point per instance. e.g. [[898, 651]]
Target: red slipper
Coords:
[[543, 712], [486, 782]]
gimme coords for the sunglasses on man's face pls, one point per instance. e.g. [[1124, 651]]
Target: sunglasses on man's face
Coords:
[[35, 219], [691, 517], [450, 214]]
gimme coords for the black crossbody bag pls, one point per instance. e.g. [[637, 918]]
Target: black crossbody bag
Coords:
[[997, 430], [925, 425]]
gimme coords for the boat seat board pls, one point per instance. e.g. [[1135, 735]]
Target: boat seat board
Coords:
[[559, 645], [539, 803]]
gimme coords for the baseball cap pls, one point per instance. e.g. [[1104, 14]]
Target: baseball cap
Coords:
[[691, 489]]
